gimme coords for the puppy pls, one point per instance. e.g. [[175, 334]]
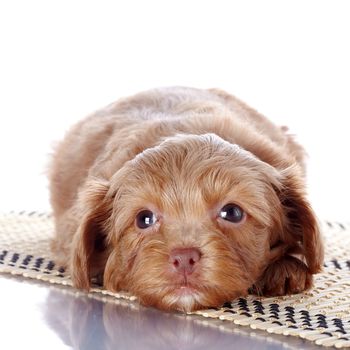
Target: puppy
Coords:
[[186, 198]]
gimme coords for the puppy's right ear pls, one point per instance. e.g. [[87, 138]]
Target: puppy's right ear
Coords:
[[89, 249]]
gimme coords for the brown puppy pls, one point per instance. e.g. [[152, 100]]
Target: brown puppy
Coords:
[[186, 198]]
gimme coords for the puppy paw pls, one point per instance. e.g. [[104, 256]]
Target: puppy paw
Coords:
[[285, 276]]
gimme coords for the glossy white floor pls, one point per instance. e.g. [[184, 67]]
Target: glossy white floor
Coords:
[[38, 316]]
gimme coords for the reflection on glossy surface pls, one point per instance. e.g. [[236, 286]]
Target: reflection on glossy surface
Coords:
[[21, 322], [52, 317]]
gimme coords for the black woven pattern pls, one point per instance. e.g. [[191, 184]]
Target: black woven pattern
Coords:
[[288, 315], [31, 213], [29, 262], [336, 225], [338, 265]]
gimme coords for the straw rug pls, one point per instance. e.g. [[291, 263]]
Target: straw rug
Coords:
[[321, 315]]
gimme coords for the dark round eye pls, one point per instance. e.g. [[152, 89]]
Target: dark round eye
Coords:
[[232, 212], [145, 219]]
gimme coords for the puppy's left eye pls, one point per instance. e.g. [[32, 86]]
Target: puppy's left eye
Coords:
[[232, 212], [145, 219]]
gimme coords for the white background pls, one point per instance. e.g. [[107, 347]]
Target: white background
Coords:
[[60, 60]]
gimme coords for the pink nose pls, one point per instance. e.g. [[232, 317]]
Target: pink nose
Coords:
[[185, 259]]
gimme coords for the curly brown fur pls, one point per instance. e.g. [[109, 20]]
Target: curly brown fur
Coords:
[[183, 154]]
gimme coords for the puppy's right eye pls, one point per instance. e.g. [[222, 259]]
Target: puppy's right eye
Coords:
[[145, 219]]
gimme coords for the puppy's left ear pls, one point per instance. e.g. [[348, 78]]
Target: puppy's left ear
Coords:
[[89, 249], [300, 227]]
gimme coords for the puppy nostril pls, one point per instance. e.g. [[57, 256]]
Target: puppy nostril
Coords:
[[184, 260]]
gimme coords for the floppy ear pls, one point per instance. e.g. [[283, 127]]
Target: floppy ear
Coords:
[[300, 229], [89, 250]]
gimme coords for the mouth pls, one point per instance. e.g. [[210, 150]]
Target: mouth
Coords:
[[185, 290]]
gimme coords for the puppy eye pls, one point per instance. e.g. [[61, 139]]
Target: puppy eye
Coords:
[[145, 219], [232, 212]]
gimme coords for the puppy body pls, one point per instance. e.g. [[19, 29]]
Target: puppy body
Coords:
[[183, 154]]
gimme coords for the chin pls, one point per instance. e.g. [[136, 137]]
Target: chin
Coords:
[[185, 302], [187, 299]]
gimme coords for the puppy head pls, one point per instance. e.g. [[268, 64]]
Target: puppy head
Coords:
[[191, 223]]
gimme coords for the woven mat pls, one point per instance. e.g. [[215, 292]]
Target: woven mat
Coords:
[[321, 315]]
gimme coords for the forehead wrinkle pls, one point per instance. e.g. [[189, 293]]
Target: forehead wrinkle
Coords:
[[184, 202], [221, 180]]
